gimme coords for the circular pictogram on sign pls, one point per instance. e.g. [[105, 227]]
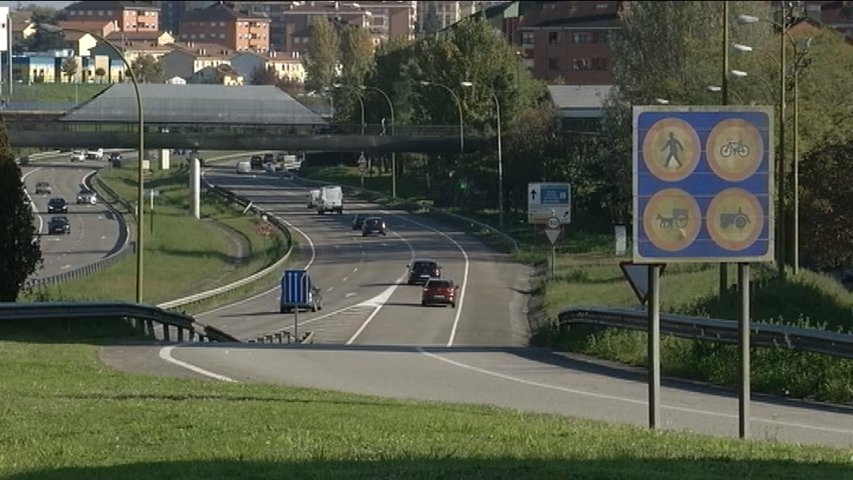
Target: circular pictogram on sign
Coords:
[[671, 149], [553, 222], [672, 219], [734, 149], [735, 219]]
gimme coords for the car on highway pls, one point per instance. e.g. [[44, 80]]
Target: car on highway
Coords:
[[243, 166], [439, 291], [58, 225], [256, 162], [57, 205], [421, 270], [87, 196], [373, 225], [358, 221], [95, 154], [77, 156], [43, 187]]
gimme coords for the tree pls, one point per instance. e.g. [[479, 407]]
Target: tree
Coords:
[[264, 76], [69, 67], [100, 72], [321, 63], [827, 197], [41, 41], [20, 252], [147, 69], [431, 24], [356, 55]]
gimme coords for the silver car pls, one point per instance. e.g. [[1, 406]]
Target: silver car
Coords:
[[87, 196]]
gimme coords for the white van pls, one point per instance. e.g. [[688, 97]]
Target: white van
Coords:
[[313, 198], [244, 166], [331, 200]]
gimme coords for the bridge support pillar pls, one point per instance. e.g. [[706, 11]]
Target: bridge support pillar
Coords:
[[165, 159], [195, 186]]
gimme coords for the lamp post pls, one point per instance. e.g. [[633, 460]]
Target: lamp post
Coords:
[[784, 33], [458, 106], [393, 154], [140, 199], [500, 159], [360, 102]]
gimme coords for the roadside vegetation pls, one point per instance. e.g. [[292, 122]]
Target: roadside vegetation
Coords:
[[56, 93], [182, 255], [65, 416]]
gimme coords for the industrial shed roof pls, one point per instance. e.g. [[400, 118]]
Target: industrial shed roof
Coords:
[[196, 103]]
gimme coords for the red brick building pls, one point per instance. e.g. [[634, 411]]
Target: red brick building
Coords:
[[570, 40], [220, 24], [128, 16]]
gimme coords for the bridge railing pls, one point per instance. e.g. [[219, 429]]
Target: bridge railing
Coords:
[[714, 330]]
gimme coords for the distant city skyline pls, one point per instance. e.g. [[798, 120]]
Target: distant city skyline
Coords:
[[55, 4]]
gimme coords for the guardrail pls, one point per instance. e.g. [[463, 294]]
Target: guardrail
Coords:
[[185, 326], [715, 330]]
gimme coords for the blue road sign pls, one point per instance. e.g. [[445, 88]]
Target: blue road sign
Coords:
[[703, 188], [294, 287]]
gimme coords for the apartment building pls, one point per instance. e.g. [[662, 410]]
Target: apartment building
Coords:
[[437, 15], [226, 26], [129, 16], [569, 40]]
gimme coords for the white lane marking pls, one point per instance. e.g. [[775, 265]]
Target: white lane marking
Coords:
[[354, 269], [345, 279], [350, 294], [166, 354], [379, 300], [464, 276], [33, 203], [622, 399]]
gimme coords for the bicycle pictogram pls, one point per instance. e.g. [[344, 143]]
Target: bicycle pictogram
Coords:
[[734, 147]]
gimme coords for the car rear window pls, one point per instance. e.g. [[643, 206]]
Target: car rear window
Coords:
[[424, 266], [440, 284]]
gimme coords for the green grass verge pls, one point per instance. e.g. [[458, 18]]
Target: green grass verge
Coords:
[[66, 416], [182, 255], [588, 274], [56, 92]]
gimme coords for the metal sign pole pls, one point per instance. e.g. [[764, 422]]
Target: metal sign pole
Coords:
[[654, 346], [553, 260], [743, 330], [295, 323]]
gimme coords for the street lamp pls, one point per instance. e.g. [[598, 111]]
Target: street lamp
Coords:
[[393, 154], [360, 102], [500, 159], [784, 33], [458, 106], [140, 200]]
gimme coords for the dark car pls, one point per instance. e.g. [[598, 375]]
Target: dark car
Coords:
[[358, 221], [58, 225], [439, 291], [420, 271], [373, 225], [57, 205], [269, 158], [257, 162]]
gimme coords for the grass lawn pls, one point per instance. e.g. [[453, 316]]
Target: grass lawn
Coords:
[[56, 93], [66, 416], [182, 255]]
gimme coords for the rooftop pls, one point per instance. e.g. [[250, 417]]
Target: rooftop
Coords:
[[196, 103]]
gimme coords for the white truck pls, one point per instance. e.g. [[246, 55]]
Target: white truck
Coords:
[[313, 198], [331, 199]]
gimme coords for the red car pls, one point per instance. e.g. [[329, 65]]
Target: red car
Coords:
[[439, 291]]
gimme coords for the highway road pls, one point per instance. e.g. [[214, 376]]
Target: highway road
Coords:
[[95, 229], [373, 336]]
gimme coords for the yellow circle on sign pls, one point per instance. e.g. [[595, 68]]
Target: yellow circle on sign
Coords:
[[672, 219], [671, 149], [735, 219], [734, 149]]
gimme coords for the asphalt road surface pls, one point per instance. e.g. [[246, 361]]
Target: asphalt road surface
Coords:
[[95, 229], [373, 336]]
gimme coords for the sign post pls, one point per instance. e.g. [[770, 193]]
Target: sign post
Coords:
[[296, 294], [151, 194], [553, 228], [703, 192]]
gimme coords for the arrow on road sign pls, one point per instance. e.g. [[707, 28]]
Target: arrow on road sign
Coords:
[[533, 195]]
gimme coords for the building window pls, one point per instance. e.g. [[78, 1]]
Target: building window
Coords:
[[580, 64], [581, 37], [552, 37], [599, 64], [553, 64], [221, 24], [599, 37], [527, 38], [222, 36]]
